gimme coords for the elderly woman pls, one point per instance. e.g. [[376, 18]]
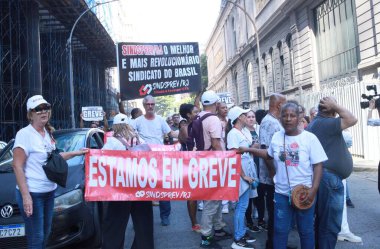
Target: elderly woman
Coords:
[[297, 156], [117, 212], [34, 191]]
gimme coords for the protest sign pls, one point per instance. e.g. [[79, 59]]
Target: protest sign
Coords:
[[158, 69], [92, 113], [152, 175], [226, 98]]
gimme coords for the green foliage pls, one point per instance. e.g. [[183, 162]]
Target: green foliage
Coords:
[[204, 72], [165, 105]]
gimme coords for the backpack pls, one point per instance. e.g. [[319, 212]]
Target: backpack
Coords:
[[195, 133]]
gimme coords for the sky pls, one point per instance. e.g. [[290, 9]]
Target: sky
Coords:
[[174, 20]]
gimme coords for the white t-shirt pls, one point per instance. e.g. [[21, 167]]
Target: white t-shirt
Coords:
[[302, 151], [113, 144], [151, 131], [243, 138], [36, 149]]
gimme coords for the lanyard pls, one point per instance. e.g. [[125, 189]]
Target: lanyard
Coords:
[[243, 134]]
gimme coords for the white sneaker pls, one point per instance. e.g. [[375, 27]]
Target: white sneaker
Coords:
[[350, 237], [241, 244], [200, 206], [225, 209]]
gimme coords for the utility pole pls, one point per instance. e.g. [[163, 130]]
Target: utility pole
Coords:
[[71, 74], [258, 48]]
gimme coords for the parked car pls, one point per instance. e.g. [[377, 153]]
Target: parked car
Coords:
[[2, 145], [75, 220]]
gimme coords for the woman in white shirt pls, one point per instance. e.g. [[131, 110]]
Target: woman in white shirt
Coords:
[[34, 191], [239, 136], [117, 213], [297, 156]]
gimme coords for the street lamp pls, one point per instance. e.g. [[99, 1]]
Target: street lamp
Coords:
[[69, 47], [258, 47]]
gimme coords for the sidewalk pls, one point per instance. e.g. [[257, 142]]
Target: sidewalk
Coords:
[[361, 164]]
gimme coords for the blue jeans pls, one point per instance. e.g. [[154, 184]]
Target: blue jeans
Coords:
[[38, 225], [284, 214], [329, 210], [241, 207], [165, 209]]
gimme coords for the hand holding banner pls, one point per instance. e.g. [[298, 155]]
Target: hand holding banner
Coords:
[[142, 175]]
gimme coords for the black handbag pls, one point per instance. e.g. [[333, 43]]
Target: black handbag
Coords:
[[56, 168]]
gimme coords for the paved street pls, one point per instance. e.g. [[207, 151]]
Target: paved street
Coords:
[[364, 220]]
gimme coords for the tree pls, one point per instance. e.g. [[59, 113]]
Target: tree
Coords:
[[165, 105], [204, 71]]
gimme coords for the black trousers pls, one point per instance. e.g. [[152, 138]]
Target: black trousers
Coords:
[[265, 198], [115, 221], [248, 212]]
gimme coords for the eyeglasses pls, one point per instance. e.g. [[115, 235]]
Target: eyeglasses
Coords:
[[42, 109], [150, 104]]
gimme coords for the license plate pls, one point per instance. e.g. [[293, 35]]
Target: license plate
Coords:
[[16, 230]]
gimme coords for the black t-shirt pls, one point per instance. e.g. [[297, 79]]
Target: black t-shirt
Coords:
[[329, 132]]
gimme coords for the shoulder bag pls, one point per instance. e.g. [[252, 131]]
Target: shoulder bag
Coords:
[[56, 168]]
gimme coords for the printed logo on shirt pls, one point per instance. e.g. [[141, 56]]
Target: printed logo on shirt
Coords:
[[291, 156]]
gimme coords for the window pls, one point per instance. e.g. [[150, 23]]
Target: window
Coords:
[[234, 42], [282, 65], [265, 76], [335, 37], [251, 87], [289, 42], [271, 52], [236, 87]]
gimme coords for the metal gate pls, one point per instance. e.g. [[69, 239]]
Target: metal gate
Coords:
[[348, 91]]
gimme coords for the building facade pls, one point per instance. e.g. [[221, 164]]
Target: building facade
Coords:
[[308, 49], [34, 60]]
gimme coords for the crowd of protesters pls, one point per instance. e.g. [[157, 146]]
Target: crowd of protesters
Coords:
[[280, 149]]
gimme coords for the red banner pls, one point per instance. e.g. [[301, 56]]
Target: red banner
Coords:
[[152, 175]]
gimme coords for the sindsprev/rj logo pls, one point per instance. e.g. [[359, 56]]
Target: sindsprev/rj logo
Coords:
[[140, 194]]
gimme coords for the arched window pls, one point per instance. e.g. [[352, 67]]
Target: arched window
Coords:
[[282, 65], [236, 87], [271, 53], [265, 76], [234, 42], [289, 43], [251, 87]]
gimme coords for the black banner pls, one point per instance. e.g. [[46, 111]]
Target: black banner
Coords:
[[158, 69]]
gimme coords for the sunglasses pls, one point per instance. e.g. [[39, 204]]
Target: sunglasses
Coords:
[[42, 109]]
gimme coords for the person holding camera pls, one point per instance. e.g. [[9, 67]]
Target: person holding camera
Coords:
[[374, 122], [372, 106]]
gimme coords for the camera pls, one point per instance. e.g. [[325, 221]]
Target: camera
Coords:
[[365, 104]]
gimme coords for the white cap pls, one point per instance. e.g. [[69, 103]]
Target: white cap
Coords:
[[35, 101], [235, 112], [120, 119], [209, 97]]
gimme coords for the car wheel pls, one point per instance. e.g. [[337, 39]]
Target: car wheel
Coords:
[[95, 241]]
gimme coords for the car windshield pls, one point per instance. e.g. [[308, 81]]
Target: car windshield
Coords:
[[71, 142]]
